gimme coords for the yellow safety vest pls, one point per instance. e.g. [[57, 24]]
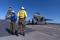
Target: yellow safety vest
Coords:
[[22, 14]]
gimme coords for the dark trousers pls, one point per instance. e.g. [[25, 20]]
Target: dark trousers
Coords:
[[12, 27], [21, 24]]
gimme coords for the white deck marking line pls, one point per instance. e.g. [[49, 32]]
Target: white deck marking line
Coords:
[[54, 28], [48, 27]]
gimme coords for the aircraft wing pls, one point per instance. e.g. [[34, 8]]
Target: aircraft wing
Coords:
[[48, 19]]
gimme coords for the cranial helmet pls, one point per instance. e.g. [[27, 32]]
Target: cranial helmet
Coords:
[[13, 11], [22, 7]]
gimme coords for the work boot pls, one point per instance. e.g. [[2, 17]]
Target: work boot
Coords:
[[22, 33], [16, 33]]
